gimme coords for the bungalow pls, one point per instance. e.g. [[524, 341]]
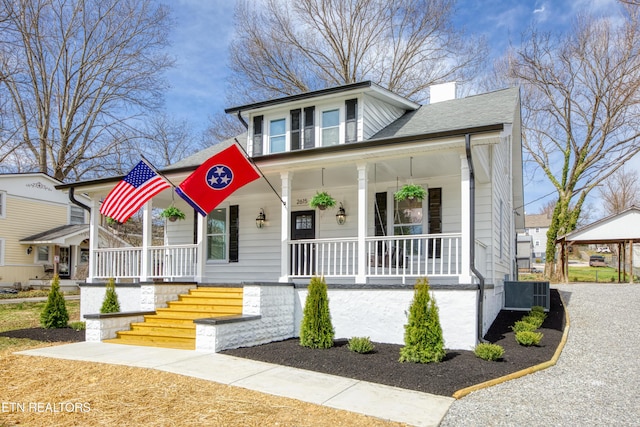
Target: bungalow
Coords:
[[359, 143], [41, 232]]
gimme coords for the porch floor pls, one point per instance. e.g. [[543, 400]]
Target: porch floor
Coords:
[[173, 327]]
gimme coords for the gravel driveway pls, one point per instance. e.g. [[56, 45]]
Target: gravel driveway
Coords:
[[596, 381]]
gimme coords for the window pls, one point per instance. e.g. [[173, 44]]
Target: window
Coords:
[[3, 202], [351, 121], [330, 127], [76, 215], [217, 235], [407, 218], [537, 242], [537, 230], [43, 254], [1, 251], [277, 136], [257, 136]]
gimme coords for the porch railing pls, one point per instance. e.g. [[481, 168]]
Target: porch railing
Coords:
[[167, 262], [416, 255]]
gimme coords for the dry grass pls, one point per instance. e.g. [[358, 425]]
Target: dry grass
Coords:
[[126, 396]]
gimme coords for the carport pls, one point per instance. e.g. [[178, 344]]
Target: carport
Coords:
[[622, 229]]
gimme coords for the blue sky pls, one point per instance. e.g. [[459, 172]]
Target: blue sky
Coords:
[[204, 29]]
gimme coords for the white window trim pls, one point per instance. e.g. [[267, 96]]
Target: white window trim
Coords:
[[266, 133], [225, 260], [341, 122], [391, 206], [39, 261], [3, 204], [2, 246], [71, 207]]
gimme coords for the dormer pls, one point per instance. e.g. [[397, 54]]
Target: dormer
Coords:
[[339, 115]]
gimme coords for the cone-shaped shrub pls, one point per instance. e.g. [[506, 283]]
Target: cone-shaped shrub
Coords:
[[316, 330], [54, 314], [423, 334], [110, 303]]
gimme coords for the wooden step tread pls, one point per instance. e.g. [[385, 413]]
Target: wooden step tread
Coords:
[[172, 335], [148, 343]]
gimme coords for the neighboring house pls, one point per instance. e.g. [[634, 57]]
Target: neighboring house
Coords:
[[41, 230], [537, 226], [360, 143]]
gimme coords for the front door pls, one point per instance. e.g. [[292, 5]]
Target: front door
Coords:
[[303, 227], [64, 269]]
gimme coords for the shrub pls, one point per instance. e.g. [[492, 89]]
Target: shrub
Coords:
[[110, 303], [534, 320], [528, 338], [537, 309], [423, 334], [361, 345], [78, 326], [54, 314], [521, 326], [316, 330], [488, 351]]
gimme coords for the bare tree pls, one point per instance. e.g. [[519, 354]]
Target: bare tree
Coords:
[[620, 191], [581, 99], [167, 140], [286, 47], [77, 73]]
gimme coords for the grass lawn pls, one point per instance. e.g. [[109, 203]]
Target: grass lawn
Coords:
[[27, 315], [580, 274]]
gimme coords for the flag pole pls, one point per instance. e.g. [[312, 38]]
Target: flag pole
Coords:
[[153, 168], [259, 170]]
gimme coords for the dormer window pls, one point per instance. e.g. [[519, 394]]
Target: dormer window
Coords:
[[330, 127], [277, 136]]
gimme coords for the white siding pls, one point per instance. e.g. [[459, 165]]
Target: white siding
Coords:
[[377, 115]]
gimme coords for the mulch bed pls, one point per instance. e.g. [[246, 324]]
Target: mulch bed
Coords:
[[460, 368], [46, 335]]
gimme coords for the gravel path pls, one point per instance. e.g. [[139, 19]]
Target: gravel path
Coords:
[[596, 381]]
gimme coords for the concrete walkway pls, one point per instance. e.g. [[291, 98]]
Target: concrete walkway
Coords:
[[390, 403]]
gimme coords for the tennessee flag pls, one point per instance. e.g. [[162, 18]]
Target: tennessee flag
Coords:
[[216, 179], [141, 184]]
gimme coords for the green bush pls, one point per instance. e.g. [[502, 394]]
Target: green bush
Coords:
[[488, 351], [521, 326], [361, 345], [78, 326], [528, 338], [534, 320], [110, 303], [316, 330], [537, 311], [54, 314], [423, 338]]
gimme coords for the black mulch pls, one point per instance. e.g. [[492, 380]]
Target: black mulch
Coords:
[[46, 335], [460, 368]]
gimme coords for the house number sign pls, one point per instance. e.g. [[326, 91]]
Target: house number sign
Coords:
[[301, 202]]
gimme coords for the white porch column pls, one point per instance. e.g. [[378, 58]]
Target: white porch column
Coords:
[[146, 241], [363, 189], [201, 251], [465, 218], [285, 226], [94, 238]]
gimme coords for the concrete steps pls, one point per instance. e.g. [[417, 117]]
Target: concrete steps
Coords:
[[173, 327]]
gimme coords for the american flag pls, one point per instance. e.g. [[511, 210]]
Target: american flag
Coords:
[[141, 184]]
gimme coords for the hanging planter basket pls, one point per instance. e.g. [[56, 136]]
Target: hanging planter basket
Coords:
[[173, 214], [410, 192], [322, 200]]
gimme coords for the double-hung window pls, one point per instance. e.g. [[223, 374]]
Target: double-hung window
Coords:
[[43, 254], [76, 215], [330, 133], [217, 235], [277, 136]]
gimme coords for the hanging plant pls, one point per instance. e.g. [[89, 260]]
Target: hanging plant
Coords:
[[172, 214], [322, 200], [411, 192]]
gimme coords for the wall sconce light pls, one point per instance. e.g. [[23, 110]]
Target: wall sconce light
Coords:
[[341, 216], [260, 219], [29, 250]]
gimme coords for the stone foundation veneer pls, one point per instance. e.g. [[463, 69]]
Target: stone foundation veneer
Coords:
[[267, 315], [104, 326], [157, 295]]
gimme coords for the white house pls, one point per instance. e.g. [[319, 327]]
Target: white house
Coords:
[[41, 231], [360, 143], [537, 226]]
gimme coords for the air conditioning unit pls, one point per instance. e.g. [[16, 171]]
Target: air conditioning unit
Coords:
[[524, 295]]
